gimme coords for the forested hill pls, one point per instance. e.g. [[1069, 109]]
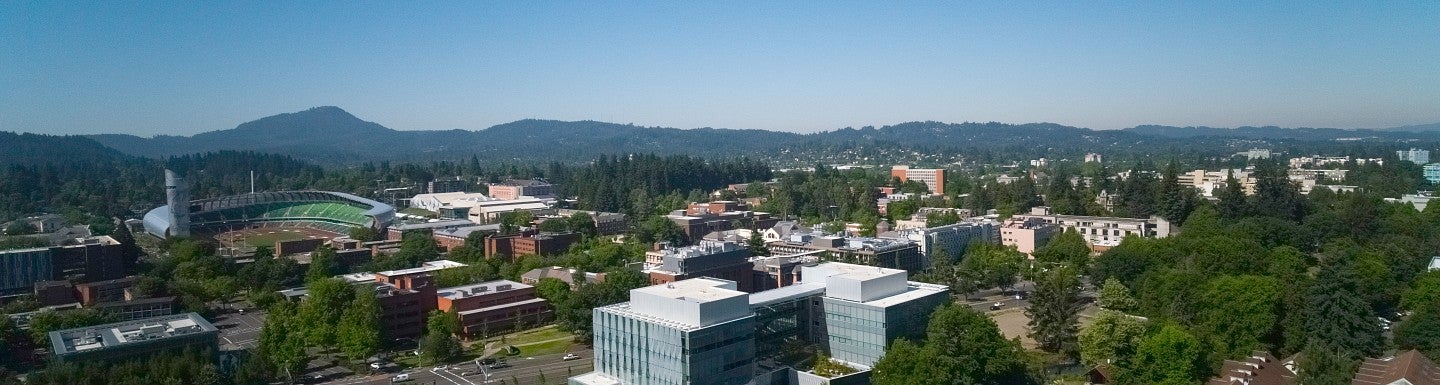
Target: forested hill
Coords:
[[331, 136], [1272, 132], [81, 178]]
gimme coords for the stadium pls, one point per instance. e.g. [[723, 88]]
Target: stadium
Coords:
[[264, 218]]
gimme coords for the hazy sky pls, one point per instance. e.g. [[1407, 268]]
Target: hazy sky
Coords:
[[186, 67]]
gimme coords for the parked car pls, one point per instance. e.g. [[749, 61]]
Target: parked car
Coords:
[[997, 306], [487, 360], [570, 356], [402, 377], [499, 365]]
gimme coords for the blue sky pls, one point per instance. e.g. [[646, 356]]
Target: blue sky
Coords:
[[187, 67]]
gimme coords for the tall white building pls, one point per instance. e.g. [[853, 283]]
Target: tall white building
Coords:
[[1413, 155]]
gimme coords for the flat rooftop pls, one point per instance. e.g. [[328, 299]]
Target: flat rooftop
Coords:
[[70, 341], [696, 290], [853, 271], [432, 225], [482, 288], [504, 306], [913, 290], [424, 268]]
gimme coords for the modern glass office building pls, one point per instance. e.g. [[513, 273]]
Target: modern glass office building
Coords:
[[696, 332]]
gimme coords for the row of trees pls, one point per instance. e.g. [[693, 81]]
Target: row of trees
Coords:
[[334, 315]]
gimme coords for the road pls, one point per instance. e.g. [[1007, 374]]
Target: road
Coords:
[[523, 371]]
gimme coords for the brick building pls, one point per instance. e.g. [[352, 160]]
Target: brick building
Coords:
[[514, 189], [723, 260], [527, 243], [700, 219], [493, 307]]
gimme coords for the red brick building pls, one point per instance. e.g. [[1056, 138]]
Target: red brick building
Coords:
[[493, 307], [405, 301], [527, 243]]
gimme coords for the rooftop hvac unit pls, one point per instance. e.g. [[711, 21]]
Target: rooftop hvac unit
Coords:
[[502, 287]]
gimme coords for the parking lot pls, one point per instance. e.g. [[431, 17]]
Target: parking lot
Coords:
[[239, 331]]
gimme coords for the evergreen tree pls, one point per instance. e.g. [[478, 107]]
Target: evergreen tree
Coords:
[[1275, 195], [129, 251], [756, 245], [1054, 310], [1337, 315], [1232, 198], [1175, 201]]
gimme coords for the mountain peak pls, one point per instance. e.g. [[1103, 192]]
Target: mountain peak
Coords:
[[324, 120]]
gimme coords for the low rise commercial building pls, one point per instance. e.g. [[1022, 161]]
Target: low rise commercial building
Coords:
[[1027, 234], [700, 219], [133, 339], [888, 253], [446, 185], [605, 223], [566, 275], [529, 243], [139, 308], [724, 260], [512, 189], [90, 259], [494, 307], [405, 296], [953, 238], [1103, 231], [111, 290]]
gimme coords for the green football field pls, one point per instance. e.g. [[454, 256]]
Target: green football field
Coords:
[[264, 237]]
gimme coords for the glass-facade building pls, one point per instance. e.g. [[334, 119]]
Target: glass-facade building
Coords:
[[697, 331], [636, 350], [20, 269], [851, 312]]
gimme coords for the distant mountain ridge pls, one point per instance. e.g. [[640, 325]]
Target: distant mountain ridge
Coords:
[[330, 135]]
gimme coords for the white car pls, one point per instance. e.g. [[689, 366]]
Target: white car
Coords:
[[571, 356], [402, 377], [442, 367]]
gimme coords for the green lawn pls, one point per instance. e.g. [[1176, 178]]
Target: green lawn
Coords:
[[540, 334], [544, 348]]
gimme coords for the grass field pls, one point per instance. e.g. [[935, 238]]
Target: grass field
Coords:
[[539, 334], [264, 237]]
